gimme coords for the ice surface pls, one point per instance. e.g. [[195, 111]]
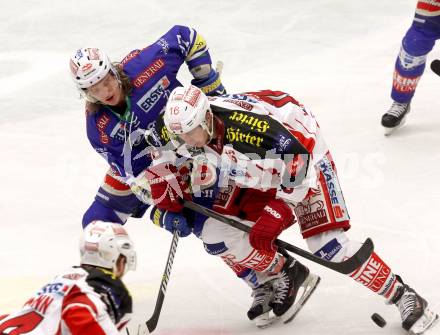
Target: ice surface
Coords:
[[335, 56]]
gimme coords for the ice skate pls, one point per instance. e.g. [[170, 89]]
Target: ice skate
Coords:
[[262, 296], [416, 316], [395, 117], [295, 280]]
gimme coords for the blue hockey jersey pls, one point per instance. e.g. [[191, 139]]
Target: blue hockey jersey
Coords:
[[152, 72], [120, 138]]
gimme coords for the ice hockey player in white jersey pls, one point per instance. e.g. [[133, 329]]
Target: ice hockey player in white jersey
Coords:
[[89, 299], [268, 142]]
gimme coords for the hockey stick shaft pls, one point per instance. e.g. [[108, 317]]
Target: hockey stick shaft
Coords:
[[345, 267], [154, 319]]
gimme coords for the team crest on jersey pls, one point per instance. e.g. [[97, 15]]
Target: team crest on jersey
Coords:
[[283, 143]]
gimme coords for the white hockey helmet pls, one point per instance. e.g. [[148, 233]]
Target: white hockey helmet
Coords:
[[88, 66], [102, 243], [185, 110]]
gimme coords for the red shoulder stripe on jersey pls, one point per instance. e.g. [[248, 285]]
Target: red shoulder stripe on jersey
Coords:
[[429, 7], [76, 296], [80, 322], [115, 184], [78, 312]]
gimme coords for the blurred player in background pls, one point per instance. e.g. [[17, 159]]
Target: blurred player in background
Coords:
[[410, 64], [89, 299]]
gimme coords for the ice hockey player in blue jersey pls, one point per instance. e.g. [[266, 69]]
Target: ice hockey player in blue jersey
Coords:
[[125, 99], [410, 64]]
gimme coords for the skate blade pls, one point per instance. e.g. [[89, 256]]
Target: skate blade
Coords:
[[425, 323], [389, 131], [264, 320], [309, 287]]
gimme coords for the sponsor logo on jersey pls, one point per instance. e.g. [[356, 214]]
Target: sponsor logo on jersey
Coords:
[[101, 124], [237, 135], [215, 248], [240, 103], [130, 56], [163, 43], [51, 288], [153, 95], [329, 250], [247, 130], [311, 214], [121, 129], [252, 121], [149, 72], [330, 180]]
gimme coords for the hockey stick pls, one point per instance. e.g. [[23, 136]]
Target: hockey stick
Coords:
[[345, 267], [154, 319]]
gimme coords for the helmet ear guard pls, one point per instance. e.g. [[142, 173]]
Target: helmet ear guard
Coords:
[[102, 243]]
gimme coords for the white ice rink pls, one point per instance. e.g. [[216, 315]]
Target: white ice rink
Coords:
[[335, 56]]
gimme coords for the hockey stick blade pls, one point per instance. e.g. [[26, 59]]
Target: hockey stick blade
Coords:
[[154, 319], [435, 66], [345, 267]]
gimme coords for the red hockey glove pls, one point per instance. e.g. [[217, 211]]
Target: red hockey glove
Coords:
[[167, 187], [276, 217]]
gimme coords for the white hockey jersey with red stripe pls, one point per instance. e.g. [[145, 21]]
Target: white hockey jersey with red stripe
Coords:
[[264, 140], [67, 305]]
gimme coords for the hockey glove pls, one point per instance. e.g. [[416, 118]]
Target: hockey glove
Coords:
[[211, 85], [276, 217], [171, 222], [168, 189]]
